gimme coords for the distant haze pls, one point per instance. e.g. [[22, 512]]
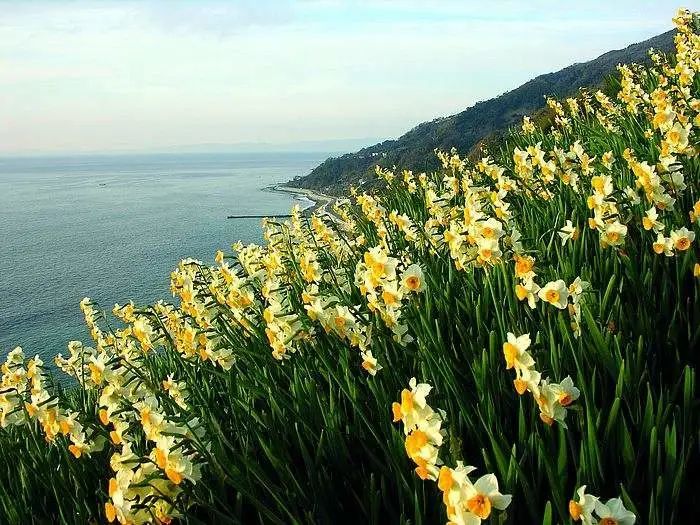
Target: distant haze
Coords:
[[255, 75]]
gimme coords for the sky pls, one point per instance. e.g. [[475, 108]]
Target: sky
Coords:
[[112, 76]]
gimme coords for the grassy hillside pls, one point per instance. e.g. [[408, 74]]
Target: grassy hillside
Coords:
[[509, 341], [414, 150]]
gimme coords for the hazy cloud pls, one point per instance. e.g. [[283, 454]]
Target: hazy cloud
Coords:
[[100, 76]]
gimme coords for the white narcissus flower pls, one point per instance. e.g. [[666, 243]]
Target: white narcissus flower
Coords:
[[682, 239], [566, 392], [632, 195], [483, 496], [577, 288], [651, 220], [412, 279], [614, 513], [555, 293], [528, 290], [515, 352], [568, 232], [419, 392], [614, 234], [548, 401], [527, 379], [584, 507], [663, 245], [369, 363]]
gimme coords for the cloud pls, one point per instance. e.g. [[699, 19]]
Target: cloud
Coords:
[[218, 18], [102, 75]]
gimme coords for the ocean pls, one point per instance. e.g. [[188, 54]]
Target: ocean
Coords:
[[113, 227]]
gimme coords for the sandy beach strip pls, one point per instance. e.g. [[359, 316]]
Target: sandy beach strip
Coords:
[[318, 202]]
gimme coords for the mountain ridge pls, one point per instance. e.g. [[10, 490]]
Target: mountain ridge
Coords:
[[463, 130]]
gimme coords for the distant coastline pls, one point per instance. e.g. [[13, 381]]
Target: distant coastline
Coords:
[[317, 202]]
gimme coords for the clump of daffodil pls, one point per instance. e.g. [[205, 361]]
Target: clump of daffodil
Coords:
[[387, 283], [422, 427], [469, 502], [466, 501], [551, 398]]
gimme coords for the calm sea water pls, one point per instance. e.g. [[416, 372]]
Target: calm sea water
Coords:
[[113, 227]]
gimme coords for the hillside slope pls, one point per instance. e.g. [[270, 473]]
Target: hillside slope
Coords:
[[414, 150]]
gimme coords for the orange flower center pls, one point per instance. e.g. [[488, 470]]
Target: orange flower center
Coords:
[[575, 510], [565, 399], [480, 505], [520, 386], [415, 441], [552, 296], [523, 265], [682, 243], [110, 512], [546, 419], [422, 468], [413, 282], [173, 475], [406, 401], [445, 480]]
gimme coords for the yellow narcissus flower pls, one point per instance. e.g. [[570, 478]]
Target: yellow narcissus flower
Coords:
[[422, 427], [515, 352], [78, 446], [391, 295], [607, 159], [528, 127], [555, 293], [469, 503], [489, 250], [412, 279], [696, 270], [602, 184], [695, 212], [369, 363], [143, 331], [682, 239], [650, 220], [677, 137], [412, 401], [97, 365], [490, 228], [380, 264]]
